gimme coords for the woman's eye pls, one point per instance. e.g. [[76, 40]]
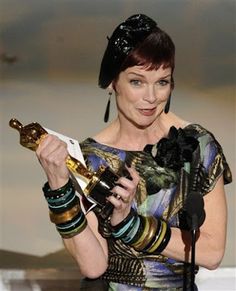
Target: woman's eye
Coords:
[[135, 82], [164, 82]]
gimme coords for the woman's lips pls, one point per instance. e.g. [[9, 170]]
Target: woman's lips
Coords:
[[147, 112]]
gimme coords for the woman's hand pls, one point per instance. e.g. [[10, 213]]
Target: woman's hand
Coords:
[[52, 154], [124, 194]]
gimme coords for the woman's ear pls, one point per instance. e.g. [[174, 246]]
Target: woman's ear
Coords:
[[112, 87]]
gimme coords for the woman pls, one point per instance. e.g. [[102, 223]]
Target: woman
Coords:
[[145, 244]]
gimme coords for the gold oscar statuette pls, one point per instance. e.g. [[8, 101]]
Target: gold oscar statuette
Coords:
[[98, 184]]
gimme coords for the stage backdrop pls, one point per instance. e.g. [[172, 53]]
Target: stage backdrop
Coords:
[[50, 54]]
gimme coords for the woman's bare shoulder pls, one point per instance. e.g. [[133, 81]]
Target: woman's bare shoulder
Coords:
[[177, 121]]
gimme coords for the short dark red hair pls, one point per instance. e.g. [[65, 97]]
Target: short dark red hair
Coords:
[[156, 50]]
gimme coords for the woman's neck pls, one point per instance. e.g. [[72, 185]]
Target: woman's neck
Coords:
[[125, 135], [131, 137]]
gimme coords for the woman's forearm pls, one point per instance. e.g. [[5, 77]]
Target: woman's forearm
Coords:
[[88, 253]]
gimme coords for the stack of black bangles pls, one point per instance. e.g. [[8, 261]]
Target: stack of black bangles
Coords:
[[144, 233], [65, 210]]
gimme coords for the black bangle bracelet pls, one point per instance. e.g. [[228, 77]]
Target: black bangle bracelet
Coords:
[[124, 234], [159, 227], [55, 201], [139, 231], [165, 241], [48, 192], [65, 207], [131, 214]]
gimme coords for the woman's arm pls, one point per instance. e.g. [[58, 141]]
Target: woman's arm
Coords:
[[88, 247], [210, 245]]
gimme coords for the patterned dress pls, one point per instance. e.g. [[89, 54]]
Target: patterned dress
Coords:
[[161, 192]]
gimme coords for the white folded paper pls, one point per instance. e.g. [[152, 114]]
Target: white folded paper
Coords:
[[75, 151]]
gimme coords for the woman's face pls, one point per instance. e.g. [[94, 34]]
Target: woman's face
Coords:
[[142, 95]]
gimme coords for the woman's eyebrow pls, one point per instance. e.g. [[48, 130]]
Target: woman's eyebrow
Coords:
[[164, 77], [136, 74]]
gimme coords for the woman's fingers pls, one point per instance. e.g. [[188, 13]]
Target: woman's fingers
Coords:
[[133, 173], [125, 190], [126, 187], [116, 201], [52, 154], [50, 147], [120, 192]]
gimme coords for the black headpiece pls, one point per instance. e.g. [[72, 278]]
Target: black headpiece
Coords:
[[125, 38]]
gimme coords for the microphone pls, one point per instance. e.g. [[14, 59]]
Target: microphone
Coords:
[[195, 215], [194, 208]]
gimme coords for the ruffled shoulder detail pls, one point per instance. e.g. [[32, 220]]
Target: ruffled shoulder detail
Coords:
[[174, 150], [199, 147]]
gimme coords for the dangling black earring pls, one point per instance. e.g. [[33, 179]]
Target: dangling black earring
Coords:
[[167, 107], [107, 112]]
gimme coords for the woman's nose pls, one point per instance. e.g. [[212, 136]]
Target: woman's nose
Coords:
[[150, 94]]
